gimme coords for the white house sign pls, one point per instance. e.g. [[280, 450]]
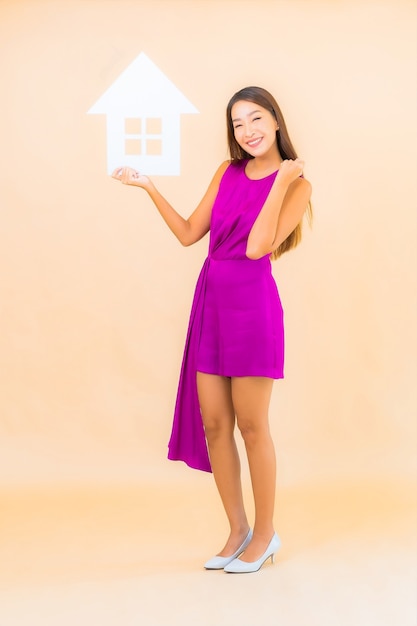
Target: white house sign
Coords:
[[143, 109]]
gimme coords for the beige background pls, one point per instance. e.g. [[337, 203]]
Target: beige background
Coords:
[[95, 291]]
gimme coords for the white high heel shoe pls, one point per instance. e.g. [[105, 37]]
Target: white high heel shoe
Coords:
[[219, 562], [241, 567]]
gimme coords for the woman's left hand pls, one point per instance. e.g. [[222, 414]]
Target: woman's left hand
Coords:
[[290, 170]]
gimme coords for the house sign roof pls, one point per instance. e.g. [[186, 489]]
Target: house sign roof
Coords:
[[142, 89]]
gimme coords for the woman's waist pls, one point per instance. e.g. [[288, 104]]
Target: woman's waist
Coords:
[[264, 261], [238, 269]]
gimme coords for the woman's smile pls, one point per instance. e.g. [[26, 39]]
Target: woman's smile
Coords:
[[254, 143]]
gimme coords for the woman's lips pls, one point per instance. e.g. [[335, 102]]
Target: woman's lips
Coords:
[[254, 143]]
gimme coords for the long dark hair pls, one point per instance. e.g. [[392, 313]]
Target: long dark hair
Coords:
[[263, 98]]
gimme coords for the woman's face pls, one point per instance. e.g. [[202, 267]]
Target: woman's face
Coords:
[[254, 128]]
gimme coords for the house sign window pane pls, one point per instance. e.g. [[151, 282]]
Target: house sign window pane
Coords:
[[133, 126], [154, 126], [133, 146], [153, 147]]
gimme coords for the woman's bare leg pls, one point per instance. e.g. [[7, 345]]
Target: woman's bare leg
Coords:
[[251, 398], [214, 393]]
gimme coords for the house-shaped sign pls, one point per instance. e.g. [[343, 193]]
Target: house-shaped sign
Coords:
[[143, 109]]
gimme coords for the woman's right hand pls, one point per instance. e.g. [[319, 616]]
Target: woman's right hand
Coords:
[[130, 176]]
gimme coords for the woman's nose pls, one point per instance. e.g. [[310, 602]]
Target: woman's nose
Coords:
[[248, 130]]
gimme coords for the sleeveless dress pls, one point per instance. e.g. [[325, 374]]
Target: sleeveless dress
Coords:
[[236, 322]]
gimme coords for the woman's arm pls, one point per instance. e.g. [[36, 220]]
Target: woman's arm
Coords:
[[282, 211], [292, 212], [187, 231]]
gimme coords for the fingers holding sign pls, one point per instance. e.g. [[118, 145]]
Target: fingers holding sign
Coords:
[[130, 176]]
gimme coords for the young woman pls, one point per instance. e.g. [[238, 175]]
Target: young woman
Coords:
[[234, 349]]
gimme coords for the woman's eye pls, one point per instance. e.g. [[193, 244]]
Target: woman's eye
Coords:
[[255, 119], [237, 126]]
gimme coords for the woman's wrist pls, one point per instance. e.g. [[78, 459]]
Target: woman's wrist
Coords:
[[282, 183]]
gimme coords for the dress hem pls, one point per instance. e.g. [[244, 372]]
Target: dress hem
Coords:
[[251, 375]]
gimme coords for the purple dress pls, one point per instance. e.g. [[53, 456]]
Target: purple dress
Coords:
[[236, 323]]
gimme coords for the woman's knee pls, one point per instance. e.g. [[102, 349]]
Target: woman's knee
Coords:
[[218, 426], [252, 428], [214, 394], [247, 428]]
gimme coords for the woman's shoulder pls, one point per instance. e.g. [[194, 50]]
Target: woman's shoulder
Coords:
[[219, 174], [232, 167], [227, 171], [224, 166]]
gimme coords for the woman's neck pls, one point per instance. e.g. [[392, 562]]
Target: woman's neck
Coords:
[[263, 166]]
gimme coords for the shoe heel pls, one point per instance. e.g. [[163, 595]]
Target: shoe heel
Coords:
[[242, 567]]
